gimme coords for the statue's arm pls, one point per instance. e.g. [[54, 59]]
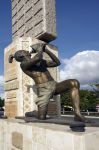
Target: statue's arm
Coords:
[[54, 62], [37, 58]]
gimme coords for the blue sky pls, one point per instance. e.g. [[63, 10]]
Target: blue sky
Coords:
[[77, 28], [5, 29]]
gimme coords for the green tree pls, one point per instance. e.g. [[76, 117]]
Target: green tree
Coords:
[[65, 99], [1, 102], [95, 87], [88, 99]]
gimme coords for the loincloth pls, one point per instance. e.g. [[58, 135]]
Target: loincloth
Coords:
[[45, 91]]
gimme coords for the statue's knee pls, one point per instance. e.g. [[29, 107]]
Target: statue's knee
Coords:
[[76, 83]]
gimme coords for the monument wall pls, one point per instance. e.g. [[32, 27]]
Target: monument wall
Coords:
[[31, 20]]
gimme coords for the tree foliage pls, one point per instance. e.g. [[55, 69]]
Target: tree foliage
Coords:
[[65, 99], [1, 102], [88, 99]]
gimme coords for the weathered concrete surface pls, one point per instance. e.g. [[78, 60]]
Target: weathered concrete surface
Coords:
[[41, 136], [34, 18]]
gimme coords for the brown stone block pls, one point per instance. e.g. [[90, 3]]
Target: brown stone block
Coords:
[[10, 67], [11, 108], [17, 140], [11, 85], [11, 94], [10, 76]]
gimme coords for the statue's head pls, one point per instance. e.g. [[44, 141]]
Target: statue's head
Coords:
[[19, 56]]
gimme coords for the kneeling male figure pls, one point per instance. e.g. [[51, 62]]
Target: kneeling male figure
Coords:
[[36, 68]]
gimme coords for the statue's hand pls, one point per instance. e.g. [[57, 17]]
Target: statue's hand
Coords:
[[32, 51], [38, 47], [36, 51], [41, 49], [44, 48]]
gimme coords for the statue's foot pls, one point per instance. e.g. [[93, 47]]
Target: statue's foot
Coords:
[[42, 112], [32, 114], [42, 117], [80, 118]]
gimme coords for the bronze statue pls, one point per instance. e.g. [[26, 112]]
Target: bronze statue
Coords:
[[36, 68]]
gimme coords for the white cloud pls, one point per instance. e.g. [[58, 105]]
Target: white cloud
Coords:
[[1, 80], [1, 86], [88, 87], [83, 66]]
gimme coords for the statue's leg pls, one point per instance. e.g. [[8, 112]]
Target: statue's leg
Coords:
[[42, 103], [44, 92], [73, 86]]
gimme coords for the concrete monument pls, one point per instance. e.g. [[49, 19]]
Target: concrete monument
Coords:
[[34, 18], [33, 21]]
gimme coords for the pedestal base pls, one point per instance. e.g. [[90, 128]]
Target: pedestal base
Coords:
[[16, 134]]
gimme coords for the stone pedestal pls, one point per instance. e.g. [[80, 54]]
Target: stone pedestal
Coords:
[[20, 91], [17, 135]]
